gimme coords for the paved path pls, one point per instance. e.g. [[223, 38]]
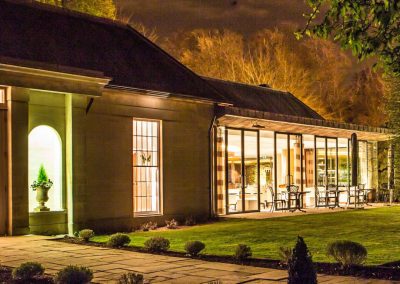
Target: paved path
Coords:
[[308, 211], [109, 264]]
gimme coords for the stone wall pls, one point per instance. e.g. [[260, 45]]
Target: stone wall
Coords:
[[101, 182]]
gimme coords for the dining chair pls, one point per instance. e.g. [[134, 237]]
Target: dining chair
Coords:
[[233, 200], [321, 197], [281, 199]]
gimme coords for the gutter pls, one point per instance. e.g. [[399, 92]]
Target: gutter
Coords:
[[162, 94]]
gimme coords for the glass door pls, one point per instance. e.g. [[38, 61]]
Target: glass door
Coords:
[[282, 166], [234, 187], [242, 152], [362, 163], [267, 170], [320, 150], [332, 157], [288, 164], [343, 162], [251, 169], [326, 154], [295, 167]]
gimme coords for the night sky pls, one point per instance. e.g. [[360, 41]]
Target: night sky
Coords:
[[243, 16]]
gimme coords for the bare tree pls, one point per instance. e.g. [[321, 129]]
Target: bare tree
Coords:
[[127, 17], [315, 70]]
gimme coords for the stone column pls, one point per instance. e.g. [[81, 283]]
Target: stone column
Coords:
[[75, 160], [18, 195]]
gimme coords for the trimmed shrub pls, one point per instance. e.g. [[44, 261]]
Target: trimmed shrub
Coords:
[[86, 234], [118, 240], [131, 278], [74, 275], [347, 253], [300, 266], [193, 248], [157, 244], [28, 271], [285, 254], [171, 224], [149, 226], [243, 252], [190, 221]]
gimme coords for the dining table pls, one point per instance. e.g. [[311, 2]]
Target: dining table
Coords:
[[335, 193], [298, 198]]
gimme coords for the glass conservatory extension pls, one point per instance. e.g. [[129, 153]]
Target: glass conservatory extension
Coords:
[[255, 166]]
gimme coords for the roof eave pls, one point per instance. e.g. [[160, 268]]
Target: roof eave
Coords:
[[379, 132]]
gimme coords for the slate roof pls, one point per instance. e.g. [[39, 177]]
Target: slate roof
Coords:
[[41, 33], [263, 99]]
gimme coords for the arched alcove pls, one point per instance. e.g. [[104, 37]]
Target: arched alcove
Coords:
[[45, 148]]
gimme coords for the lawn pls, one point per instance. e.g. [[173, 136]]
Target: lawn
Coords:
[[377, 229]]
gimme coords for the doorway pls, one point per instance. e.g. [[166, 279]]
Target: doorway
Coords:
[[242, 164], [289, 166], [326, 157]]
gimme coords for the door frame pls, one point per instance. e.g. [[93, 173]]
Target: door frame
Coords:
[[3, 166], [243, 187], [288, 134], [326, 138]]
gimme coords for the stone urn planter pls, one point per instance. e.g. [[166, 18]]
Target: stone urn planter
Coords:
[[42, 187], [42, 197]]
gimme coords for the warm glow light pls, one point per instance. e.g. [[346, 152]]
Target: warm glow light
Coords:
[[45, 148], [234, 149]]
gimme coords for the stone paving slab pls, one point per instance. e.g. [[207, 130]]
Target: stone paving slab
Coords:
[[109, 264], [273, 274]]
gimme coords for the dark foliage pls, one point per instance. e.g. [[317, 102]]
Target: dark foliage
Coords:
[[28, 271], [193, 248], [243, 252], [300, 267], [118, 240], [74, 275], [347, 253], [157, 244]]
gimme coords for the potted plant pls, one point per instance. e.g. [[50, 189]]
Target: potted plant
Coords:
[[42, 186]]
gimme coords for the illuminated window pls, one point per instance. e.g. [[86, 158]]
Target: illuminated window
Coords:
[[146, 166]]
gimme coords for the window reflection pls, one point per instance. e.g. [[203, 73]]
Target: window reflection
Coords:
[[343, 162], [234, 155], [362, 163], [251, 170], [331, 161], [316, 165], [308, 169], [282, 160], [321, 162], [266, 169]]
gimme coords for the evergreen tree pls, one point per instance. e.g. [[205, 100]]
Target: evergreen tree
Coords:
[[300, 267], [42, 175]]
